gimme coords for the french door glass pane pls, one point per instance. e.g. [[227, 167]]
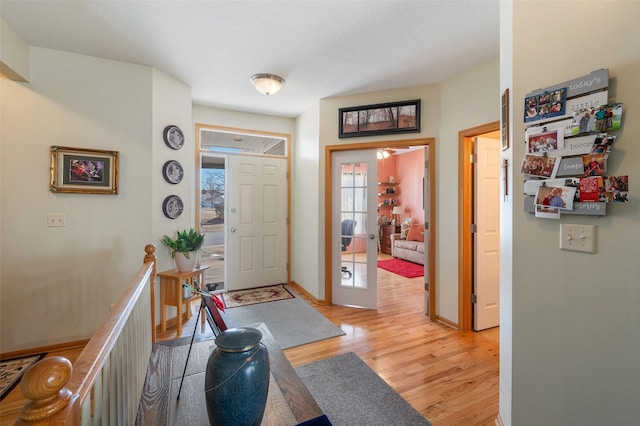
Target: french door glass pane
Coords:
[[353, 214], [212, 189]]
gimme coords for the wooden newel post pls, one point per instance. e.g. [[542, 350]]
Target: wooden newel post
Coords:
[[43, 384], [150, 249]]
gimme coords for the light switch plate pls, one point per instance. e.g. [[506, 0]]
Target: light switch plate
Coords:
[[578, 238]]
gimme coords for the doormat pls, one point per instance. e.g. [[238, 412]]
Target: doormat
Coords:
[[252, 296], [11, 370], [402, 267]]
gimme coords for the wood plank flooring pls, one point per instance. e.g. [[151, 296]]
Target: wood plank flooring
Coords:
[[449, 377]]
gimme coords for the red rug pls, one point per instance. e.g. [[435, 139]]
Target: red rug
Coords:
[[402, 267]]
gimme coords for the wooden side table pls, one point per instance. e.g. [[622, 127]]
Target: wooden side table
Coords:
[[385, 239], [171, 293]]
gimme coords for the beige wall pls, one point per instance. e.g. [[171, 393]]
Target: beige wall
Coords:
[[469, 99], [14, 54], [305, 250], [57, 284], [575, 335], [459, 103]]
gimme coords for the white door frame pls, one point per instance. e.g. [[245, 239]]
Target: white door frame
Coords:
[[430, 274]]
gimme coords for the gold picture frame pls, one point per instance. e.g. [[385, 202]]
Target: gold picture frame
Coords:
[[83, 171]]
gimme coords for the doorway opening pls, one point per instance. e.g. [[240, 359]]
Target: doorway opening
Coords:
[[234, 169], [467, 205], [428, 202]]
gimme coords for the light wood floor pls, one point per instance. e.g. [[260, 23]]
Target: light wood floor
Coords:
[[449, 377]]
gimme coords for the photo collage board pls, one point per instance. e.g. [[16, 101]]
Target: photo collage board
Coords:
[[571, 131]]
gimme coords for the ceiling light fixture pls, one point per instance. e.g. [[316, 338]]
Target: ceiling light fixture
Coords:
[[383, 153], [267, 84]]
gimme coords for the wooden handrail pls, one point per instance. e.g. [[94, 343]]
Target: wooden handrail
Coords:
[[57, 389]]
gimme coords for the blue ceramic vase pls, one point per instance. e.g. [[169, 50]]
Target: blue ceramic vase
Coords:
[[237, 378]]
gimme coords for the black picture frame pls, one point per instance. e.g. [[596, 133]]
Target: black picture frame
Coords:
[[379, 119]]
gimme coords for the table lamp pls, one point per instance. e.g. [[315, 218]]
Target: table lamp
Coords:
[[397, 210]]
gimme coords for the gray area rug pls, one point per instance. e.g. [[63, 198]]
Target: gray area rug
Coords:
[[292, 322], [350, 393]]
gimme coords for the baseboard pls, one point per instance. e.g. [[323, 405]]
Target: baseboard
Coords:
[[499, 421], [447, 322], [44, 349], [299, 289]]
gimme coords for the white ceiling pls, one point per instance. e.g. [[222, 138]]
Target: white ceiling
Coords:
[[321, 48]]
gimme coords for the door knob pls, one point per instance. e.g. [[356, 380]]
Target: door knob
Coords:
[[372, 236], [232, 230]]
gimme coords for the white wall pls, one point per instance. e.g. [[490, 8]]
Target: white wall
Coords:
[[14, 53], [57, 284], [576, 343], [305, 256], [171, 105], [242, 120], [506, 220], [469, 99]]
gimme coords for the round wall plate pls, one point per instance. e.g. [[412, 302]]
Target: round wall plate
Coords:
[[172, 171], [172, 206], [173, 137]]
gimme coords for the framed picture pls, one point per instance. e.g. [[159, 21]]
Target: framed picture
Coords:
[[379, 119], [545, 105], [84, 171], [504, 125]]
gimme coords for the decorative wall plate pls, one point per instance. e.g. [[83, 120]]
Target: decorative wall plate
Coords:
[[173, 137], [172, 171], [172, 206]]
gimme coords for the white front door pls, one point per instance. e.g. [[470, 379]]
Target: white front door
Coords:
[[354, 230], [256, 222], [487, 237]]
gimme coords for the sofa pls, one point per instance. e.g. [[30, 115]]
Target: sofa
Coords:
[[409, 243]]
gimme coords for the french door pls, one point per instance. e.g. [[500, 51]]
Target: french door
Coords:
[[354, 229]]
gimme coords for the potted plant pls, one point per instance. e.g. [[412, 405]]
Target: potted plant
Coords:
[[184, 248]]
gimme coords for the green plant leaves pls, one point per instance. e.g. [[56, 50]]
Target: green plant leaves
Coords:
[[186, 241]]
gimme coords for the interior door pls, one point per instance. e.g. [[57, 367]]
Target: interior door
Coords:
[[487, 237], [426, 197], [256, 222], [354, 229]]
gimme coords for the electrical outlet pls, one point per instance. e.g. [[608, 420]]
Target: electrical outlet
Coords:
[[578, 238], [55, 219]]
